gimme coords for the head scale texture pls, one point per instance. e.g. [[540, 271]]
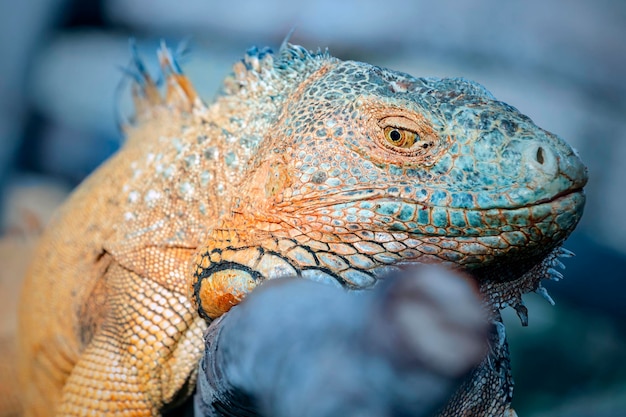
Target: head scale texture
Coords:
[[358, 169]]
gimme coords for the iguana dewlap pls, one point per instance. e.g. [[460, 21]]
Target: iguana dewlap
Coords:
[[303, 165]]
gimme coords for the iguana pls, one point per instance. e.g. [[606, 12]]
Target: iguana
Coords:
[[303, 165]]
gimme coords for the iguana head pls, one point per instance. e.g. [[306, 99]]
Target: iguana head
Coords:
[[362, 169]]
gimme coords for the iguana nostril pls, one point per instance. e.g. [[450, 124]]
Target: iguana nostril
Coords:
[[540, 155], [541, 159]]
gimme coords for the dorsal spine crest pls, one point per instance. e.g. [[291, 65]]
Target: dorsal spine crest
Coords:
[[274, 74]]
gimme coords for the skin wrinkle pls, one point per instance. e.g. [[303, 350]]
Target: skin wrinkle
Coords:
[[287, 167]]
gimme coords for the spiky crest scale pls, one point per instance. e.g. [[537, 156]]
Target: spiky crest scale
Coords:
[[275, 74], [261, 75]]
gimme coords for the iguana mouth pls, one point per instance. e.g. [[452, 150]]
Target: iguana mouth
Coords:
[[562, 195], [345, 198], [385, 214]]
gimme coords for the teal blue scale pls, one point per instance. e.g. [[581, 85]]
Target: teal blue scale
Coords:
[[406, 212], [440, 217], [457, 218], [388, 208]]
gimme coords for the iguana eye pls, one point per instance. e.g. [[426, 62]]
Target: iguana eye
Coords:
[[401, 138], [401, 134], [398, 136]]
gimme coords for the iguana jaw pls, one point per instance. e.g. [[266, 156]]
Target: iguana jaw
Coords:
[[512, 260], [471, 238]]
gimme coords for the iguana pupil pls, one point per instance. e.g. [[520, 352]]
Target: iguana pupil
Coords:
[[401, 138]]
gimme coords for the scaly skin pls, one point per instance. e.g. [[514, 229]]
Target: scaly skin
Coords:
[[291, 171]]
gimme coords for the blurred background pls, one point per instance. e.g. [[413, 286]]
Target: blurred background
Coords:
[[560, 62]]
